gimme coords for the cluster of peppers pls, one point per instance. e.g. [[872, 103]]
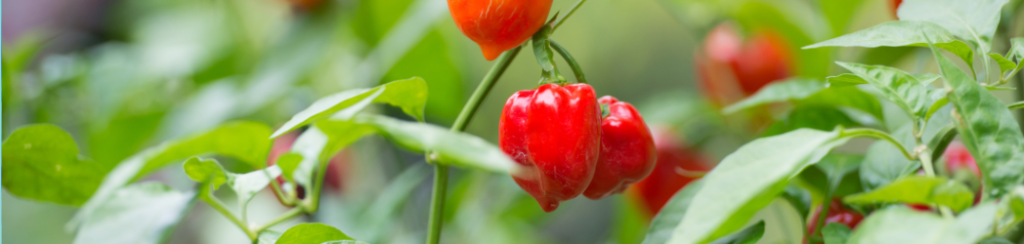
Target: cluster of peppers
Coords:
[[558, 131]]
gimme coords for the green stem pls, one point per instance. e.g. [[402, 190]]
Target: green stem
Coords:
[[441, 171], [1016, 105], [576, 70], [940, 142], [287, 215], [313, 201], [823, 214], [571, 11], [223, 209], [873, 133]]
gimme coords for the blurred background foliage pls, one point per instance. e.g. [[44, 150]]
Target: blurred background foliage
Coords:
[[124, 75]]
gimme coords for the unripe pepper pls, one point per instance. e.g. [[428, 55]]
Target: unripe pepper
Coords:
[[499, 25], [627, 150], [555, 133]]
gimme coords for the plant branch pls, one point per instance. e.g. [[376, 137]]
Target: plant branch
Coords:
[[312, 202], [441, 171], [576, 69], [873, 133], [942, 140], [287, 215], [223, 209]]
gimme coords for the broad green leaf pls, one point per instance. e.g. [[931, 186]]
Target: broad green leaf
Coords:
[[901, 88], [748, 180], [781, 91], [319, 143], [836, 233], [918, 190], [890, 34], [900, 225], [848, 97], [41, 162], [453, 148], [410, 95], [246, 141], [974, 20], [1004, 64], [750, 235], [845, 80], [311, 233], [664, 224], [288, 163], [205, 171], [884, 163], [143, 213], [960, 49], [812, 117], [926, 78], [835, 172], [247, 185], [987, 128]]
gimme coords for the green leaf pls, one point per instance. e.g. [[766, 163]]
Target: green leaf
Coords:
[[836, 233], [247, 185], [890, 34], [311, 233], [845, 80], [835, 172], [41, 162], [144, 213], [410, 95], [664, 224], [902, 225], [453, 148], [781, 91], [960, 49], [987, 128], [321, 142], [288, 163], [974, 20], [750, 235], [545, 57], [748, 180], [926, 78], [246, 141], [1004, 64], [884, 163], [901, 88], [205, 171], [850, 97], [918, 190]]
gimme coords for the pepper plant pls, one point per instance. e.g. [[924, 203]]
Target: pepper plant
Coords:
[[558, 141]]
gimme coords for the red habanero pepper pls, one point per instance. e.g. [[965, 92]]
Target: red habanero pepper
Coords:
[[627, 150], [677, 165], [555, 132], [836, 214], [499, 25]]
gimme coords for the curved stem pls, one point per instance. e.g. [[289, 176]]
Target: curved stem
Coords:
[[873, 133], [441, 171], [942, 140], [312, 202], [223, 209], [576, 70], [571, 11], [1016, 105], [287, 215]]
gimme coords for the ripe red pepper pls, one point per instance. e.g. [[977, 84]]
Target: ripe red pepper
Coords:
[[958, 158], [499, 25], [836, 214], [676, 167], [555, 132], [627, 150], [895, 4], [731, 69]]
